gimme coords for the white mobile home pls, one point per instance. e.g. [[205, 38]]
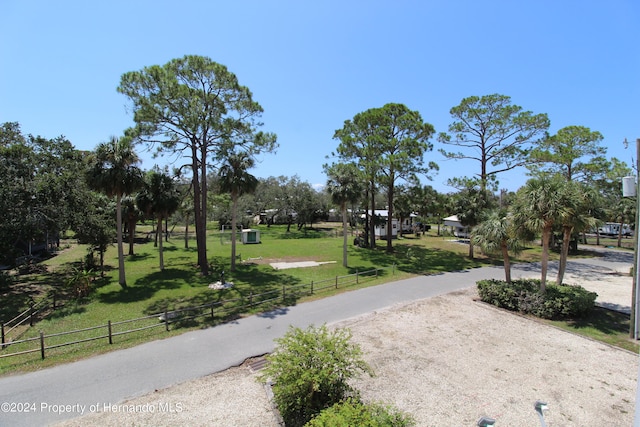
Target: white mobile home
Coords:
[[456, 226], [381, 229], [613, 229]]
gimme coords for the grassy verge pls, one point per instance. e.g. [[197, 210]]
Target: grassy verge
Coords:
[[603, 325]]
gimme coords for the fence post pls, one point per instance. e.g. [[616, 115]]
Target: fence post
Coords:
[[212, 318], [336, 282], [31, 314], [311, 292], [357, 277], [166, 320], [3, 341], [109, 327], [42, 345], [250, 298]]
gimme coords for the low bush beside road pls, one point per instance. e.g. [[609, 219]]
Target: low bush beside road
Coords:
[[558, 302]]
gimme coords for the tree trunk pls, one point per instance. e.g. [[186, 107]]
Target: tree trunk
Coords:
[[160, 251], [372, 226], [344, 234], [544, 262], [620, 233], [390, 216], [200, 215], [121, 276], [186, 232], [564, 253], [132, 235], [234, 209], [507, 262]]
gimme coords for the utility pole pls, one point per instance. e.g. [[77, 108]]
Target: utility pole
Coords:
[[629, 189]]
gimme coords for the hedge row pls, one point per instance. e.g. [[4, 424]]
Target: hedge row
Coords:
[[564, 301], [351, 412]]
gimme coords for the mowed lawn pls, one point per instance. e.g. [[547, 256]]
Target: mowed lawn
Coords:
[[180, 285], [151, 291]]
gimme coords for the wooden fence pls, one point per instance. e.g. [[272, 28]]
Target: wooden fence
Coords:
[[17, 325], [223, 310]]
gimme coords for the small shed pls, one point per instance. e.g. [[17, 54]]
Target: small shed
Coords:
[[250, 236]]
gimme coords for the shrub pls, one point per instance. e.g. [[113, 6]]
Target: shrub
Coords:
[[32, 267], [524, 296], [311, 369], [354, 413], [6, 280]]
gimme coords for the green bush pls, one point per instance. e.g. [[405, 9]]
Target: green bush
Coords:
[[354, 413], [564, 301], [6, 280], [310, 371]]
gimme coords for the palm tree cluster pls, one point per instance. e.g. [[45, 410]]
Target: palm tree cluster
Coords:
[[113, 171]]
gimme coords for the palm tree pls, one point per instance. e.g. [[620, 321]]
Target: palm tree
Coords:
[[159, 198], [345, 186], [577, 216], [496, 233], [469, 204], [235, 180], [186, 209], [113, 171], [132, 214], [537, 207]]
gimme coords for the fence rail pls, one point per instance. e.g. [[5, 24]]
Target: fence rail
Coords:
[[21, 319], [221, 309]]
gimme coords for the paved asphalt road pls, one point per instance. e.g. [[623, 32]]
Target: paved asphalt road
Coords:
[[74, 389]]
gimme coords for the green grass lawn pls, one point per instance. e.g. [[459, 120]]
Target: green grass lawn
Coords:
[[151, 291], [604, 325]]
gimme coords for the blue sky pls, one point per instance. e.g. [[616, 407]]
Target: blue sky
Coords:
[[314, 64]]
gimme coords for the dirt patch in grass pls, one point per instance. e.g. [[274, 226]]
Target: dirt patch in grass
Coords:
[[262, 261]]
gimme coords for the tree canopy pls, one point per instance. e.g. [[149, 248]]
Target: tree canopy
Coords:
[[494, 132], [193, 107], [574, 151], [42, 190], [387, 144]]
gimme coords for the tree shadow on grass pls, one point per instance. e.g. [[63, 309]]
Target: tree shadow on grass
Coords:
[[147, 286], [140, 256], [254, 290], [608, 322], [69, 308], [369, 271], [419, 260]]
